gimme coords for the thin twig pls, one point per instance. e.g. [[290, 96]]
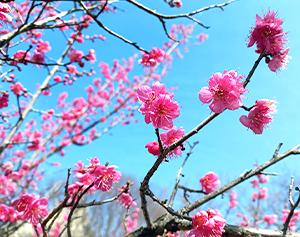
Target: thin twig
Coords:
[[178, 175]]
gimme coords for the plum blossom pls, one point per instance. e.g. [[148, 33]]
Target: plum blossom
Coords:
[[32, 207], [17, 88], [269, 36], [38, 57], [37, 209], [233, 199], [131, 224], [206, 224], [75, 55], [106, 176], [178, 3], [210, 182], [167, 139], [5, 8], [91, 56], [279, 61], [153, 148], [155, 56], [43, 46], [270, 219], [259, 116], [294, 219], [158, 105], [3, 212], [21, 54], [224, 91], [267, 33], [170, 137], [3, 99]]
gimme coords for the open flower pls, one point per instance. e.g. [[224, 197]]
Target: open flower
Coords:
[[210, 182], [106, 176], [269, 36], [259, 116], [206, 224], [224, 91]]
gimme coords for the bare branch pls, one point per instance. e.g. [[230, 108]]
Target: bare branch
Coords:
[[178, 175]]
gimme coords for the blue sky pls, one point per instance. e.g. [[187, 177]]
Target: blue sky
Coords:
[[225, 145]]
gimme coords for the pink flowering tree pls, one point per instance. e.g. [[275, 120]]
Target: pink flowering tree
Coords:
[[32, 131]]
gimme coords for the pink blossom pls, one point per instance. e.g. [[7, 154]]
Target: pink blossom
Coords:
[[24, 202], [105, 176], [3, 212], [210, 182], [178, 3], [12, 215], [42, 46], [158, 105], [294, 219], [263, 179], [254, 183], [259, 116], [72, 69], [207, 224], [21, 54], [224, 90], [37, 209], [279, 61], [3, 99], [163, 111], [91, 56], [254, 196], [38, 57], [125, 199], [130, 224], [233, 199], [267, 33], [270, 219], [153, 148], [263, 193], [170, 137], [5, 8], [75, 55], [17, 88], [202, 37], [155, 56]]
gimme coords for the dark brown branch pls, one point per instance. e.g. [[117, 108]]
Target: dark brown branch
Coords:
[[187, 15], [110, 31], [165, 206], [288, 219], [161, 148], [190, 190], [212, 195]]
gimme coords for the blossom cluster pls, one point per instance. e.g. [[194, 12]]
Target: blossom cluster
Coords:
[[4, 99], [233, 199], [224, 91], [269, 36], [209, 223], [210, 182], [259, 116], [102, 176], [294, 219], [131, 221], [167, 139], [158, 105], [155, 56], [4, 9], [31, 207]]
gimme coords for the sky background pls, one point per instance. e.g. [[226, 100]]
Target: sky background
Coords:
[[225, 145]]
